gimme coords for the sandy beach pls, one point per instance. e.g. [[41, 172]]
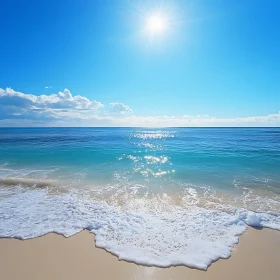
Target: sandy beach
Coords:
[[257, 256]]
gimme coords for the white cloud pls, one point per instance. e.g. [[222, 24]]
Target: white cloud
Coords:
[[120, 108], [199, 121], [14, 103], [60, 100], [64, 109]]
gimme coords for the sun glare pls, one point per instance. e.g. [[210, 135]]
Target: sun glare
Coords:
[[156, 24]]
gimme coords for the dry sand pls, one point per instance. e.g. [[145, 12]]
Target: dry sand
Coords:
[[257, 256]]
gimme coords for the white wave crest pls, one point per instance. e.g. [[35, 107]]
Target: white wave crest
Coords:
[[191, 236]]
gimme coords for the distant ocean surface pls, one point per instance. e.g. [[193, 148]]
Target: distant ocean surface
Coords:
[[163, 197]]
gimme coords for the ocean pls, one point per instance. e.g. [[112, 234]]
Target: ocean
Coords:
[[154, 196]]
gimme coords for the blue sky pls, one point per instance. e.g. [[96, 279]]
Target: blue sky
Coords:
[[215, 63]]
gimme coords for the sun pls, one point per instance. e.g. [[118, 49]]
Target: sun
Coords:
[[156, 24]]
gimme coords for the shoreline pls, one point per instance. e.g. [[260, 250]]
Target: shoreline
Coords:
[[53, 256]]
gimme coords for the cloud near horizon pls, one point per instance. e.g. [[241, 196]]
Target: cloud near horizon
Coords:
[[18, 109], [121, 108]]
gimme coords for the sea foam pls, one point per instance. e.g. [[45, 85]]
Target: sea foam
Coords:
[[191, 236]]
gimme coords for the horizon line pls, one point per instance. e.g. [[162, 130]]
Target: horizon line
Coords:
[[1, 127]]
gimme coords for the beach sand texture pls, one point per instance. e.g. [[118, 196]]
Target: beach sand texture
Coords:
[[257, 256]]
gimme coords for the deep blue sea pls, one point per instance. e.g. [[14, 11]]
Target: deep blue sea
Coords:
[[154, 196]]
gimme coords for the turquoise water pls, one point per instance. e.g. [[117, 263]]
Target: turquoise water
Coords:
[[206, 157], [144, 184]]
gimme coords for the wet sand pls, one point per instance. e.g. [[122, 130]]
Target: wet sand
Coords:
[[257, 256]]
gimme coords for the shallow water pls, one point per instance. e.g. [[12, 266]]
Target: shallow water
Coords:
[[153, 196]]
